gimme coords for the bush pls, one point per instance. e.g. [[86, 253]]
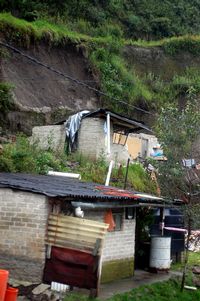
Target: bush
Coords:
[[22, 156], [6, 103]]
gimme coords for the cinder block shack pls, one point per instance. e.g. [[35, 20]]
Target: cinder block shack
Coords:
[[31, 206], [94, 134]]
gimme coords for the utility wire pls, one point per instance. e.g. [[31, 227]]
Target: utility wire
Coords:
[[78, 82], [38, 78]]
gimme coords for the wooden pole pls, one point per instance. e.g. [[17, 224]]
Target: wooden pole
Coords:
[[126, 176]]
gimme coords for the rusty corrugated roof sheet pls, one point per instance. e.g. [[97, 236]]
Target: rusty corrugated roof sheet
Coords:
[[56, 186]]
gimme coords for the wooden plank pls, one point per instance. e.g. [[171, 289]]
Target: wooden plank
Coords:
[[65, 225], [96, 247], [76, 237], [78, 221], [63, 243], [75, 232], [66, 243], [69, 246]]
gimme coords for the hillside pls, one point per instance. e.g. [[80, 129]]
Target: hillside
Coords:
[[143, 19], [55, 61], [133, 76]]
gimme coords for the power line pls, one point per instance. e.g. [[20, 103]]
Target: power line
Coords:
[[78, 82], [38, 78]]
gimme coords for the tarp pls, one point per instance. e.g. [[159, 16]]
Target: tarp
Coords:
[[72, 125], [72, 267]]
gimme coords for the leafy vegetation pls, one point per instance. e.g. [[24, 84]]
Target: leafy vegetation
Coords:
[[104, 46], [178, 131], [22, 156], [6, 102], [137, 19]]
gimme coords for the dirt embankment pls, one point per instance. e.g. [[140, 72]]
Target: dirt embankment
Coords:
[[155, 60], [41, 96]]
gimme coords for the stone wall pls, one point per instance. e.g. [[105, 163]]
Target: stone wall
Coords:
[[49, 136], [118, 250], [23, 220]]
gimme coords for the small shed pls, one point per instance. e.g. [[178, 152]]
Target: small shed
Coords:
[[30, 204], [98, 133], [101, 132]]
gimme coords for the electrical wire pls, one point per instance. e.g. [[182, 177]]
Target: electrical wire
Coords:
[[78, 82]]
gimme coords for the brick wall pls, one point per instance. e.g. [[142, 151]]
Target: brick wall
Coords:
[[23, 220], [49, 136]]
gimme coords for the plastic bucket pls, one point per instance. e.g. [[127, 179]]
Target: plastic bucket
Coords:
[[3, 283], [11, 294]]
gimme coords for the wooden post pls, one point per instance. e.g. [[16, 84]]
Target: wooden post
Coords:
[[108, 134], [126, 176]]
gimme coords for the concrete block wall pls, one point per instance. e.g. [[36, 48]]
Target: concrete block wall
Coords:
[[117, 244], [91, 137], [23, 221], [118, 250], [119, 153], [92, 141], [49, 136]]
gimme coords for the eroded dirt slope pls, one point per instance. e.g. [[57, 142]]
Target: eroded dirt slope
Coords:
[[42, 96]]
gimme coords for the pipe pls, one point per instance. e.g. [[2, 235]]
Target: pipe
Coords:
[[108, 134], [109, 173], [64, 174], [107, 205]]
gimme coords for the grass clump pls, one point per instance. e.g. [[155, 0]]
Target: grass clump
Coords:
[[6, 102], [188, 43], [24, 33]]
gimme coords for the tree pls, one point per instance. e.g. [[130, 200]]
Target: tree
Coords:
[[178, 131]]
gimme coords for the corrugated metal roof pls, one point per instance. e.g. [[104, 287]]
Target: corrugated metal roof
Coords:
[[120, 119], [131, 123], [56, 186]]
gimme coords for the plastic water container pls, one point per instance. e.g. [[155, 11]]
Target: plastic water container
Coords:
[[11, 294], [3, 283]]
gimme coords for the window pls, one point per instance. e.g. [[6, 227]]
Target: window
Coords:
[[118, 218]]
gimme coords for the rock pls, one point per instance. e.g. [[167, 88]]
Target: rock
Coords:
[[16, 283], [22, 298], [196, 281], [196, 270], [41, 288]]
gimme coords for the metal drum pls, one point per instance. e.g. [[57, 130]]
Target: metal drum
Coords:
[[160, 258]]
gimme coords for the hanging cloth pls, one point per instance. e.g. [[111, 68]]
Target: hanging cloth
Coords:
[[108, 219]]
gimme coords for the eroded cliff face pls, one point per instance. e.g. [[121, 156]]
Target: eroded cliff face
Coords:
[[155, 60], [41, 96]]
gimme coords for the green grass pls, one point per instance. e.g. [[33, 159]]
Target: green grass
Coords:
[[22, 31], [164, 291], [193, 259], [161, 291], [173, 45]]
